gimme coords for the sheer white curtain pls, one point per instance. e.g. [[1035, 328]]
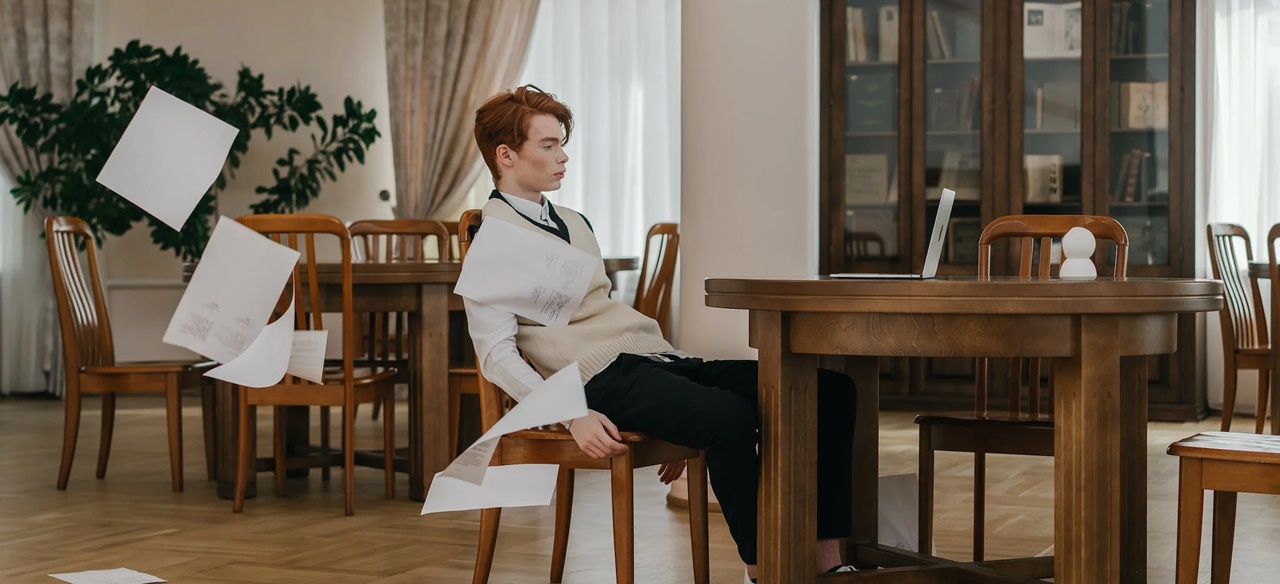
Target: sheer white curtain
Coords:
[[1239, 134], [617, 66], [26, 333]]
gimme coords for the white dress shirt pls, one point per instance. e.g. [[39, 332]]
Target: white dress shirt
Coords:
[[493, 330]]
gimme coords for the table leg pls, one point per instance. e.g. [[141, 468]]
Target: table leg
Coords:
[[787, 540], [1088, 460], [226, 420], [1133, 459], [429, 413], [865, 372]]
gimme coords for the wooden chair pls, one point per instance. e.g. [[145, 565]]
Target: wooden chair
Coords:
[[1244, 324], [90, 361], [386, 342], [1225, 463], [655, 286], [557, 446], [343, 388], [1014, 430]]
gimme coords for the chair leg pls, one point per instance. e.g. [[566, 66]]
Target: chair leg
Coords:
[[108, 429], [173, 407], [925, 496], [696, 477], [564, 513], [1228, 391], [1190, 517], [389, 442], [245, 454], [208, 395], [622, 471], [70, 432], [979, 505], [455, 416], [1224, 531], [349, 458], [324, 441], [1264, 390], [489, 519], [278, 455]]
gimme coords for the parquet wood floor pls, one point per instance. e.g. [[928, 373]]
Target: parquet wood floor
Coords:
[[131, 518]]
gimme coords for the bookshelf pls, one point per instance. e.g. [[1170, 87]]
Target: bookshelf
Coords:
[[1059, 107]]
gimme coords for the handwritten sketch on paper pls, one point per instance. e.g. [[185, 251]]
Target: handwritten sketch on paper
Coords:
[[470, 483], [277, 350], [232, 292], [540, 278], [168, 157], [116, 576]]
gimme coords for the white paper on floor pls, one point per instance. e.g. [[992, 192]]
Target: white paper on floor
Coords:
[[116, 576]]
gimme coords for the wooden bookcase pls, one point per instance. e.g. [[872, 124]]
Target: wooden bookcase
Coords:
[[1022, 107]]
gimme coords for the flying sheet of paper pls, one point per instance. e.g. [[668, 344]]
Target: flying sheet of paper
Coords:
[[559, 398], [537, 277], [265, 361], [519, 485], [168, 157], [116, 576], [232, 292], [307, 358], [469, 482]]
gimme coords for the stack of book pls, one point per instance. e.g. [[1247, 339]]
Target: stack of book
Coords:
[[1055, 106], [1140, 105], [858, 46], [1132, 175], [955, 108]]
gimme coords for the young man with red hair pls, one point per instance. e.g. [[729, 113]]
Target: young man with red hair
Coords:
[[634, 380]]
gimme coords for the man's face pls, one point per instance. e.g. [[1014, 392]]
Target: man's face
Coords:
[[539, 165]]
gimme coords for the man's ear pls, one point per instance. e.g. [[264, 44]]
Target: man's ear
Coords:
[[505, 155]]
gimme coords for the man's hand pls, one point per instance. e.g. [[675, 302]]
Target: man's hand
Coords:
[[670, 471], [597, 436]]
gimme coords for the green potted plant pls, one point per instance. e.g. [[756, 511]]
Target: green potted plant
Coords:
[[74, 139]]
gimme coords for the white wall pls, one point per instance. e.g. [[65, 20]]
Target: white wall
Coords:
[[335, 46], [749, 191]]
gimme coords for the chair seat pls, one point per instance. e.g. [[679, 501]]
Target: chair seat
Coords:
[[1234, 446], [363, 375], [971, 418], [559, 433], [147, 367]]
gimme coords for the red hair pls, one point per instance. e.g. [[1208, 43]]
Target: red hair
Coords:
[[504, 119]]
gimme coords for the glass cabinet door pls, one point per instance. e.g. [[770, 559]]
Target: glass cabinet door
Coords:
[[953, 125], [1052, 105], [1138, 132], [873, 234]]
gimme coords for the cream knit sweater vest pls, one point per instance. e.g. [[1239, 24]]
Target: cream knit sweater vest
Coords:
[[599, 330]]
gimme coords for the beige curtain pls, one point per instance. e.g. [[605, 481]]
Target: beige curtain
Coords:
[[444, 58], [46, 43]]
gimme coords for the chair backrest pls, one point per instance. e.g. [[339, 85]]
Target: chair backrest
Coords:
[[656, 283], [491, 397], [384, 336], [400, 240], [1046, 228], [1042, 229], [1273, 258], [1244, 325], [454, 245], [82, 308], [299, 231]]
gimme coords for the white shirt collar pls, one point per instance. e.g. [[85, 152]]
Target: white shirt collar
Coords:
[[538, 212]]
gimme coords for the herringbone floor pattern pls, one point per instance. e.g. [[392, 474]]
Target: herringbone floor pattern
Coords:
[[131, 518]]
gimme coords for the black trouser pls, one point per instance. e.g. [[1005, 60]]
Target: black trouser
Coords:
[[712, 405]]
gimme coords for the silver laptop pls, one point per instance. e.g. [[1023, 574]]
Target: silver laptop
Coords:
[[931, 258]]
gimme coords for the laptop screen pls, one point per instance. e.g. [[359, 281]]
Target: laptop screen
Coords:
[[939, 233]]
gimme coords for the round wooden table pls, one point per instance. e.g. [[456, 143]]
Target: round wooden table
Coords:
[[1098, 334]]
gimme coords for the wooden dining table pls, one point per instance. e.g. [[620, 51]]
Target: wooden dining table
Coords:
[[423, 290], [1098, 335]]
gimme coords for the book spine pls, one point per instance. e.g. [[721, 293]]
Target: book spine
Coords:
[[1131, 183]]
